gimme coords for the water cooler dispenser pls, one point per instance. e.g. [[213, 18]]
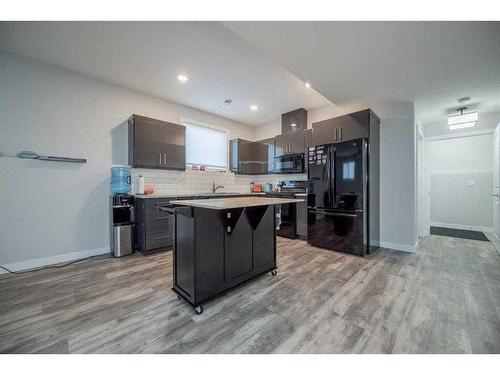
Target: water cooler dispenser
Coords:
[[122, 225], [122, 213]]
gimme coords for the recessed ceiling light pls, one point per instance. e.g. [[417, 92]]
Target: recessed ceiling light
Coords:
[[182, 78], [293, 125], [307, 85], [253, 107]]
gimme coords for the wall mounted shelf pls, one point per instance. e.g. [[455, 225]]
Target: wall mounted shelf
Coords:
[[35, 156]]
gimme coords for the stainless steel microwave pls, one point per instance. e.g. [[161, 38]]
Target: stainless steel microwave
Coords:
[[293, 163]]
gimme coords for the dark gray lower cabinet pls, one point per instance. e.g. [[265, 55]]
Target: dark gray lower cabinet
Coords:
[[153, 227], [216, 250]]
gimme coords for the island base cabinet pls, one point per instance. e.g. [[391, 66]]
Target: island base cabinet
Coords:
[[184, 251], [237, 245], [263, 236], [216, 250]]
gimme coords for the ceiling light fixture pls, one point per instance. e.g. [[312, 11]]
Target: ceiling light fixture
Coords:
[[461, 121], [253, 107], [182, 78], [307, 85], [228, 101], [293, 125]]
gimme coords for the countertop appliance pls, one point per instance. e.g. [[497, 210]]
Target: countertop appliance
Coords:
[[338, 196], [288, 212], [268, 187], [122, 224], [292, 163]]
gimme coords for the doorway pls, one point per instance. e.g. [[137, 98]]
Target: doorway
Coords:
[[459, 180]]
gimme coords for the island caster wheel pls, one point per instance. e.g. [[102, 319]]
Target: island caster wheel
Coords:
[[198, 310], [274, 272]]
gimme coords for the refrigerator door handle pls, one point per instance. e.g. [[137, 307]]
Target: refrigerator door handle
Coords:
[[331, 171], [326, 213]]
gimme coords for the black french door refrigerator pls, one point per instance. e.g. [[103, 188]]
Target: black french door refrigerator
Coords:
[[338, 196]]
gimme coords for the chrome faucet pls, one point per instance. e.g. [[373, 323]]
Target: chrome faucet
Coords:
[[214, 188]]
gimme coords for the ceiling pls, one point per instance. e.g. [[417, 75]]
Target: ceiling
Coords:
[[431, 63], [148, 56], [266, 63]]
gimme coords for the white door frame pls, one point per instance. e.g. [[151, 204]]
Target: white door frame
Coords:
[[422, 226], [424, 214], [496, 177]]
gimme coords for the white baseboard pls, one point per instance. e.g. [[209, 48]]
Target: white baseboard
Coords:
[[41, 262], [461, 226], [399, 246]]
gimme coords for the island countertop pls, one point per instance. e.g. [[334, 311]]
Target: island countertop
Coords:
[[230, 203]]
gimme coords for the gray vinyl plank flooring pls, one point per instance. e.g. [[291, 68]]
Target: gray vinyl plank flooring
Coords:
[[443, 299]]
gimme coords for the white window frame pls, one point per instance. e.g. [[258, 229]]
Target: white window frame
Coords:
[[186, 121]]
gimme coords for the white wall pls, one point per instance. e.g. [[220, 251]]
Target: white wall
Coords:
[[58, 211], [461, 182], [398, 203]]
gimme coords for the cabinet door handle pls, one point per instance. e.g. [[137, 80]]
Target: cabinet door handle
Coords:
[[340, 133], [335, 134], [160, 158], [165, 158], [162, 237]]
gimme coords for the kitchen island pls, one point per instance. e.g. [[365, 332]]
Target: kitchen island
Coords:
[[221, 243]]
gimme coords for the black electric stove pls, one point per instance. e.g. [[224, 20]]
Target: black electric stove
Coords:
[[288, 212]]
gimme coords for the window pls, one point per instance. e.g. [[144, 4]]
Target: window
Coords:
[[206, 146], [348, 170]]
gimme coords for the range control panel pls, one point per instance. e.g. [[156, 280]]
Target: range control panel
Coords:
[[317, 155]]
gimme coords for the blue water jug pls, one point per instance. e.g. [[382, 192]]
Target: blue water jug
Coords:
[[120, 180]]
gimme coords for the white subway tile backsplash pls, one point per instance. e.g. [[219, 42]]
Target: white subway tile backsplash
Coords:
[[194, 182]]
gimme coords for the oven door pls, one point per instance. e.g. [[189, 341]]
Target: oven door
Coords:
[[289, 164], [288, 225]]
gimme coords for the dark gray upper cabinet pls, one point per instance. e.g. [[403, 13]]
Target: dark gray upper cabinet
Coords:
[[269, 150], [291, 143], [294, 121], [156, 144], [308, 139], [343, 128], [248, 157]]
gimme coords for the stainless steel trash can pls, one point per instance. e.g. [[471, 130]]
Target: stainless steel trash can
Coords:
[[123, 240]]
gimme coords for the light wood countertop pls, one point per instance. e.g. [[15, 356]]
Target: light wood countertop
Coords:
[[229, 203]]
